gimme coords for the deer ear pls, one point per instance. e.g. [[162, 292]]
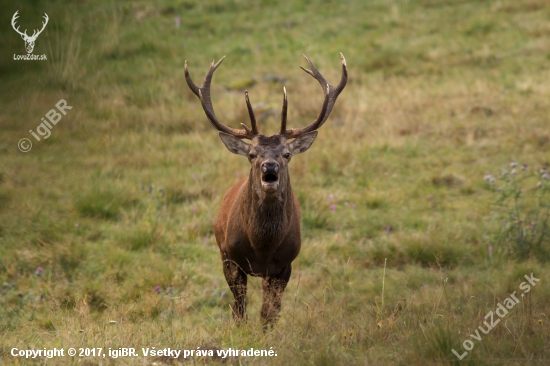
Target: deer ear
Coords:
[[235, 144], [302, 143]]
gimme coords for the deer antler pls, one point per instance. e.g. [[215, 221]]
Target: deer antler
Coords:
[[35, 35], [13, 19], [24, 34], [331, 94], [284, 112], [203, 92], [252, 117]]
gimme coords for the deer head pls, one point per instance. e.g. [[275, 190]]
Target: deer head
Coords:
[[269, 156], [29, 41]]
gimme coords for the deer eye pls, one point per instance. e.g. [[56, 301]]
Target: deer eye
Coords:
[[252, 156], [287, 155]]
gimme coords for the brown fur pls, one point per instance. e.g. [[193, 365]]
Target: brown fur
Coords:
[[258, 225], [259, 234]]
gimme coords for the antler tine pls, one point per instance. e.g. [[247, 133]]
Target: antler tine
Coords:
[[44, 23], [43, 26], [284, 113], [344, 77], [190, 83], [203, 92], [13, 19], [251, 114], [331, 94]]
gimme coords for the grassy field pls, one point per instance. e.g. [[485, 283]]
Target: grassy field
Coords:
[[416, 222]]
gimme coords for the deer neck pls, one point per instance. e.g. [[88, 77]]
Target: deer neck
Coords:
[[266, 217]]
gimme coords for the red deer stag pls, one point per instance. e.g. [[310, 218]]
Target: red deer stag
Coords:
[[258, 225]]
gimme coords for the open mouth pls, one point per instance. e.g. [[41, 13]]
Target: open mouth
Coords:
[[270, 178], [270, 181]]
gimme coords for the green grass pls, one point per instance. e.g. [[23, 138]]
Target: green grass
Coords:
[[121, 198]]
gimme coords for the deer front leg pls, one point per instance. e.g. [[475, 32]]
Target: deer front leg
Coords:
[[237, 280], [272, 289]]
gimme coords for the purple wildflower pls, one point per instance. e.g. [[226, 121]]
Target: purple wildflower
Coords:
[[177, 21], [158, 289], [332, 207], [388, 228], [39, 271]]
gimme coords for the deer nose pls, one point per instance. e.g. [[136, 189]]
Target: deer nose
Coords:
[[270, 168]]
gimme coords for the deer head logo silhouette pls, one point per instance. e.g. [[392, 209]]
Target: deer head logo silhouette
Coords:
[[29, 40]]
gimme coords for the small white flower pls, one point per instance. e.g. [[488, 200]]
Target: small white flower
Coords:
[[513, 164], [514, 172]]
